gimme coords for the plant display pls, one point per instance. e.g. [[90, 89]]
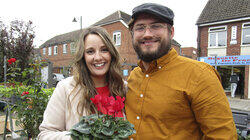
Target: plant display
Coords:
[[110, 125], [27, 98]]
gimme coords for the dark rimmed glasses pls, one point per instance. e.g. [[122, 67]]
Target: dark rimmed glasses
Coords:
[[154, 27]]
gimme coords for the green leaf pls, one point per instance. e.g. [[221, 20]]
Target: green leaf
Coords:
[[82, 128], [107, 123], [24, 73], [107, 131], [31, 71]]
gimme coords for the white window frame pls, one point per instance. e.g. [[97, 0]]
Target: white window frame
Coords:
[[65, 46], [55, 50], [217, 30], [49, 50], [72, 47], [44, 50], [117, 37], [244, 27]]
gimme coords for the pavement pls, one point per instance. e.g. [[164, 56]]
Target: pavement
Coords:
[[239, 104]]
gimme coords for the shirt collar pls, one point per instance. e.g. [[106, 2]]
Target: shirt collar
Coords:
[[160, 62]]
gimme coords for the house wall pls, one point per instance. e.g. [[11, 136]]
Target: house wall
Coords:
[[60, 60], [189, 52], [126, 50], [229, 50], [128, 56]]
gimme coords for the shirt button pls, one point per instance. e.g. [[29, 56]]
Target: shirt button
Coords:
[[147, 75], [141, 95], [137, 117], [159, 67]]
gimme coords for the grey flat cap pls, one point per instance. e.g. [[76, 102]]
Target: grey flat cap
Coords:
[[162, 12]]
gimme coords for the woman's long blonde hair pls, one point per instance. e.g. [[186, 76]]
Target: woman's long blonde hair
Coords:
[[82, 74]]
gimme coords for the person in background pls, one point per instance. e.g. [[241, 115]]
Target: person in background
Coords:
[[171, 97], [234, 79], [97, 70]]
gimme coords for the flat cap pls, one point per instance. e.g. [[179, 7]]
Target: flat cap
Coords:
[[162, 12]]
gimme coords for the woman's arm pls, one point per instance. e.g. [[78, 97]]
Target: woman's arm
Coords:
[[53, 126]]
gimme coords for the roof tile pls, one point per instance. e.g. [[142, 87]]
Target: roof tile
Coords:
[[219, 10]]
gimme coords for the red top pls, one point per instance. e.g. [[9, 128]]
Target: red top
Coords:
[[103, 90]]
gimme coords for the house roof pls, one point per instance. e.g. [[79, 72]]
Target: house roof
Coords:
[[174, 42], [221, 10], [116, 16], [63, 38]]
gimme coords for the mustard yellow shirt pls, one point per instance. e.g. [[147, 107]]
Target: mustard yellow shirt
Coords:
[[178, 98]]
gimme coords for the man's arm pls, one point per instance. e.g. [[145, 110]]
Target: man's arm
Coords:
[[211, 106]]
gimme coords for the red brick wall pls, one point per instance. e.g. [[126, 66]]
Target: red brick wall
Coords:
[[231, 49], [203, 41], [60, 59], [189, 52], [234, 49], [126, 49]]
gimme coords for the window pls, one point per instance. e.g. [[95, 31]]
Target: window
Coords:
[[65, 46], [49, 51], [44, 51], [117, 38], [217, 37], [55, 50], [246, 34], [72, 47]]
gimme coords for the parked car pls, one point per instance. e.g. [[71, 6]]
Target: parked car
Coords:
[[57, 77]]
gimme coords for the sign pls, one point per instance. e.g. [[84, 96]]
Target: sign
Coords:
[[125, 72], [227, 60]]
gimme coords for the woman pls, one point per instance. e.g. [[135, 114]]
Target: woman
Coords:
[[96, 71]]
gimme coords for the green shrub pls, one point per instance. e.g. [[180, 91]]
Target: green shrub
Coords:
[[28, 98]]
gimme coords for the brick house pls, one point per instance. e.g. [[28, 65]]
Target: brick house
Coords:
[[189, 52], [224, 41], [60, 49]]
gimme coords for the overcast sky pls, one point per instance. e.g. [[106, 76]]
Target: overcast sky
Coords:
[[54, 17]]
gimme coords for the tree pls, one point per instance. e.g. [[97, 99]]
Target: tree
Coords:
[[17, 42], [3, 43]]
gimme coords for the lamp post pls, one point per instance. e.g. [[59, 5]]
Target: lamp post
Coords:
[[75, 20], [215, 60], [5, 71]]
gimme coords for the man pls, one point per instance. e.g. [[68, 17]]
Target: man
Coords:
[[234, 79], [170, 96]]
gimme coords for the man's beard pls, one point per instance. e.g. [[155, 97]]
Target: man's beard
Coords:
[[162, 49]]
